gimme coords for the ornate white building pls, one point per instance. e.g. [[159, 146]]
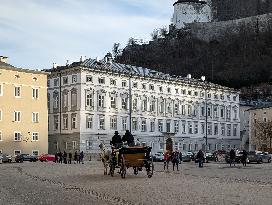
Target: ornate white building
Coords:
[[90, 99]]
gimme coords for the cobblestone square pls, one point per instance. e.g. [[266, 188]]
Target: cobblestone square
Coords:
[[50, 183]]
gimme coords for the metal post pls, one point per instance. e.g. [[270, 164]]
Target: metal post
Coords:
[[130, 101], [206, 119], [60, 103]]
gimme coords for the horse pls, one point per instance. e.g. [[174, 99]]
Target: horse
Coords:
[[105, 157]]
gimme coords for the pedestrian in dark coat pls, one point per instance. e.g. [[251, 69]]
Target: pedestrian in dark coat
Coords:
[[60, 157], [232, 157], [200, 157], [70, 158], [56, 158], [244, 158], [65, 157], [75, 156], [81, 156], [175, 160], [116, 140]]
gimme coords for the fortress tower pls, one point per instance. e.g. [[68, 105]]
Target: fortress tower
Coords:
[[189, 11]]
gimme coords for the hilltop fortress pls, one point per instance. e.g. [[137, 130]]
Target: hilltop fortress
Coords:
[[211, 19]]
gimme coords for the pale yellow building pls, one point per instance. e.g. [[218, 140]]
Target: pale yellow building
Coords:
[[23, 110]]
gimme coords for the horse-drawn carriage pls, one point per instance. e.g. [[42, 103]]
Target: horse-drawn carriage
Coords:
[[126, 157]]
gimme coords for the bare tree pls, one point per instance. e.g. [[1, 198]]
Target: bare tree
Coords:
[[263, 134], [116, 51]]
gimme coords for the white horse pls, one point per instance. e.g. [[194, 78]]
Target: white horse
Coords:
[[105, 157]]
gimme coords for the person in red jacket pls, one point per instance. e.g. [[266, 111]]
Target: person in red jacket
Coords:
[[166, 158]]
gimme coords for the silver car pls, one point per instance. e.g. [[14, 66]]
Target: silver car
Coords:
[[265, 157], [6, 158]]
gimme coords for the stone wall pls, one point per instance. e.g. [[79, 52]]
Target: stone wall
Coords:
[[234, 9], [217, 30]]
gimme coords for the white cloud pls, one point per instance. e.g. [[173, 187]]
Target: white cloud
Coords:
[[35, 33]]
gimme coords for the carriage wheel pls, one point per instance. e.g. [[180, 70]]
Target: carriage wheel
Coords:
[[150, 169], [123, 168]]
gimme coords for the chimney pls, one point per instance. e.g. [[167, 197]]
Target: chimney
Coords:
[[4, 59], [55, 65], [97, 59]]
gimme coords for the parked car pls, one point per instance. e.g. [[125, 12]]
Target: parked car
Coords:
[[47, 157], [211, 157], [6, 158], [265, 157], [26, 157], [254, 157], [158, 157], [186, 157]]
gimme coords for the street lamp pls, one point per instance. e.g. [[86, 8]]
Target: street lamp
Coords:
[[206, 113]]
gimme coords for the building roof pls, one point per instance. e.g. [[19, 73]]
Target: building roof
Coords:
[[190, 1], [105, 65], [7, 66]]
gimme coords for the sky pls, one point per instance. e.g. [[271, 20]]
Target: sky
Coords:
[[37, 33]]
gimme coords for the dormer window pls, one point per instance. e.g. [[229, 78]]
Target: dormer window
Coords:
[[124, 83], [135, 85], [101, 80], [89, 78], [151, 87], [112, 82]]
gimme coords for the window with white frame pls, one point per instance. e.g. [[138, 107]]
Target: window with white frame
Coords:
[[228, 113], [177, 90], [152, 125], [74, 120], [183, 109], [235, 130], [160, 89], [209, 113], [17, 116], [17, 91], [215, 111], [55, 100], [168, 126], [135, 85], [89, 99], [101, 80], [124, 123], [176, 126], [189, 110], [151, 87], [144, 86], [89, 78], [134, 104], [215, 129], [183, 127], [134, 124], [17, 136], [113, 122], [74, 144], [235, 111], [35, 152], [222, 112], [144, 104], [101, 122], [160, 125], [176, 108], [228, 130], [189, 92], [223, 128], [112, 82], [169, 107], [35, 136], [74, 98], [89, 121], [65, 99], [124, 84], [17, 152], [222, 96], [65, 121], [56, 82], [143, 125], [101, 100], [113, 101], [152, 105], [74, 78], [65, 80], [202, 127], [1, 89], [209, 129], [161, 107], [195, 127], [124, 103], [35, 117], [35, 93], [1, 137], [203, 110], [190, 127], [56, 122]]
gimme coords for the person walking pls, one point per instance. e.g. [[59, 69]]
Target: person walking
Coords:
[[200, 157], [166, 159], [180, 157], [175, 159], [70, 158], [64, 157], [75, 157], [56, 158], [60, 157], [232, 157], [244, 158], [81, 157]]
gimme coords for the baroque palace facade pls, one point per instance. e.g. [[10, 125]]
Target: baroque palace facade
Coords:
[[23, 110], [90, 99]]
